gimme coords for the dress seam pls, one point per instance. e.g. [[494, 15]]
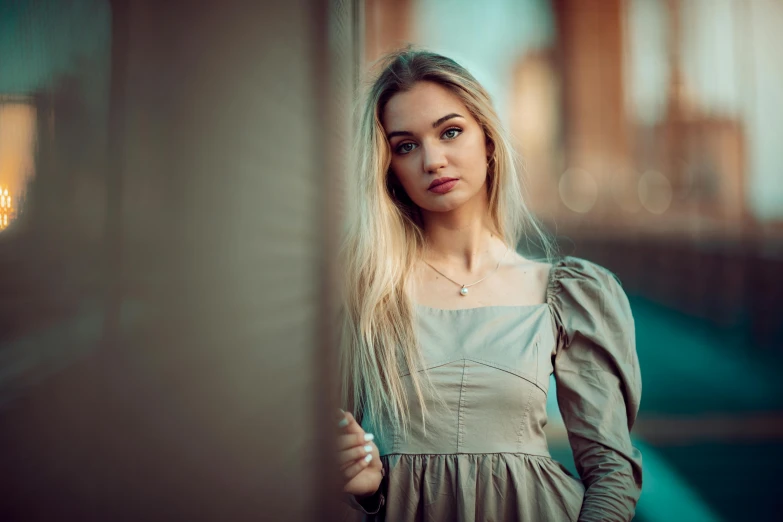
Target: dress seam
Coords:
[[524, 418], [553, 288], [553, 279], [538, 356], [532, 379], [460, 417], [477, 453]]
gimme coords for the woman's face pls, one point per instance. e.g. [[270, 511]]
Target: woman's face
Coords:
[[433, 137]]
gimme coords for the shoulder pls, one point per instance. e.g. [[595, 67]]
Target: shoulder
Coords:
[[570, 267], [586, 295], [533, 274], [576, 274]]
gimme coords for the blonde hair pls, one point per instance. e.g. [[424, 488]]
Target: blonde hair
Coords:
[[384, 238]]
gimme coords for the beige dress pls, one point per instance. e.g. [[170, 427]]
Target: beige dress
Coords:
[[485, 457]]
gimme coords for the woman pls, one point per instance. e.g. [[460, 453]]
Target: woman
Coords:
[[450, 335]]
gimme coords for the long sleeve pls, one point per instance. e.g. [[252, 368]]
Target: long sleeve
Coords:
[[371, 505], [599, 385]]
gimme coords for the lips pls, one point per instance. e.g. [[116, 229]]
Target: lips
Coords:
[[444, 188], [440, 181]]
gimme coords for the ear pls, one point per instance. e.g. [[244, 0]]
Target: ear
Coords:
[[490, 148]]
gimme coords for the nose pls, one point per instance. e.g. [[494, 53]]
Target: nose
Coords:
[[434, 158]]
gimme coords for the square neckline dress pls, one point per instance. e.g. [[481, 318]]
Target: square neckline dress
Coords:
[[484, 456]]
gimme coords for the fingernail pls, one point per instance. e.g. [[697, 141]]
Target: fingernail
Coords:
[[368, 437], [368, 458], [343, 423], [368, 448]]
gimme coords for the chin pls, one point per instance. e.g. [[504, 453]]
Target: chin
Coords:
[[446, 204]]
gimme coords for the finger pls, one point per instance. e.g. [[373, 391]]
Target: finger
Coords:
[[354, 469], [350, 455], [342, 420], [349, 424], [376, 456], [351, 440], [362, 452]]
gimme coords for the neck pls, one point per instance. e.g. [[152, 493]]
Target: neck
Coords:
[[462, 241]]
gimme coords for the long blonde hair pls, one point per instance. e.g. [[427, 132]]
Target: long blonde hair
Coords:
[[384, 238]]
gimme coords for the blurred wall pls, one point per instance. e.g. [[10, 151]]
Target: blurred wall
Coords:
[[219, 164]]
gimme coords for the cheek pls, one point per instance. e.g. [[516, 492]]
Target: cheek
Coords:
[[477, 151]]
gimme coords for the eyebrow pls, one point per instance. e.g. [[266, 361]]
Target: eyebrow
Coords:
[[434, 125]]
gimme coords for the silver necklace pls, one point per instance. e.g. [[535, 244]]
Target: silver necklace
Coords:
[[464, 290]]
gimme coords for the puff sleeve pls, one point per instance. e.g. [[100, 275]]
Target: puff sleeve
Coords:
[[596, 369]]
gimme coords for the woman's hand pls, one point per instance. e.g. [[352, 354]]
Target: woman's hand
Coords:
[[361, 477]]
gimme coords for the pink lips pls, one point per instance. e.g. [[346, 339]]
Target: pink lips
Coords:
[[441, 187]]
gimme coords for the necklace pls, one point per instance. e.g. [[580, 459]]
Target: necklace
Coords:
[[464, 290]]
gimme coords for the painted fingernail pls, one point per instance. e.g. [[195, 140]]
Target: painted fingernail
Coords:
[[368, 448], [368, 437], [343, 423], [368, 458]]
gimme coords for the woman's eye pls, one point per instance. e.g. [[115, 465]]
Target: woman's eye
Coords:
[[452, 133], [405, 148], [449, 134]]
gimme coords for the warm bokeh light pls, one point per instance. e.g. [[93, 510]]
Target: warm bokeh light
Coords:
[[578, 190], [655, 192], [17, 145], [6, 208]]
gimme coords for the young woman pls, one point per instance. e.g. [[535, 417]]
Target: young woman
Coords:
[[450, 335]]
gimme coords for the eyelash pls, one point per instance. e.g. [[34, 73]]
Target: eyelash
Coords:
[[401, 152]]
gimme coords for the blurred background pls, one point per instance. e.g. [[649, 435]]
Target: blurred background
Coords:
[[170, 188]]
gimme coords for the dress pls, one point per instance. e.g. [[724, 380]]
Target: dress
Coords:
[[485, 458]]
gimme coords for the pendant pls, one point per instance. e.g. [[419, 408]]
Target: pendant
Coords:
[[464, 291]]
